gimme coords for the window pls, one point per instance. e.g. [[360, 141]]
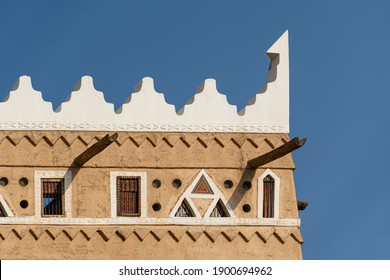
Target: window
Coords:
[[2, 212], [52, 197], [184, 210], [53, 194], [268, 197], [128, 196], [5, 211], [218, 211]]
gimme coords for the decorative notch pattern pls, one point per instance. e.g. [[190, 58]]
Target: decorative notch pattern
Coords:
[[52, 138], [107, 234]]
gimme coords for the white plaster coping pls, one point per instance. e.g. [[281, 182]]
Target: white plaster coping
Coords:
[[147, 110], [260, 189], [216, 196], [67, 176], [113, 192], [150, 221], [5, 206]]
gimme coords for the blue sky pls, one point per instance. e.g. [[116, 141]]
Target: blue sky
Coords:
[[339, 93]]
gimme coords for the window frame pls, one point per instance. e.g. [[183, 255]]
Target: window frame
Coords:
[[260, 187], [62, 192], [66, 176], [128, 195], [142, 193]]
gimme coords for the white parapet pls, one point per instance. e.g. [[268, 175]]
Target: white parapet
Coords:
[[270, 105], [146, 110]]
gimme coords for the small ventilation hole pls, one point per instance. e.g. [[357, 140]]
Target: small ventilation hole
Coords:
[[176, 183], [23, 181], [156, 183], [246, 208], [24, 204], [156, 207]]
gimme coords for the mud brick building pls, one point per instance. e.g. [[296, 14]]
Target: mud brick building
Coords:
[[147, 182]]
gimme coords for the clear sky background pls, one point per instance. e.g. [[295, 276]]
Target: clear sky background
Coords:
[[339, 85]]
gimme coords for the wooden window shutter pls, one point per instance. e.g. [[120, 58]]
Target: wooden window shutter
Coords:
[[53, 197], [268, 197], [128, 196]]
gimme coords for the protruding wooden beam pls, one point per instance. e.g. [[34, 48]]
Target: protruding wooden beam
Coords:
[[277, 153], [302, 204], [95, 149]]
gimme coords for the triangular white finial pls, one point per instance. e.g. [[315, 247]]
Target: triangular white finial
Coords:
[[281, 45], [271, 104]]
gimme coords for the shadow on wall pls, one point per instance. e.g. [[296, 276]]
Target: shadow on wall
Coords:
[[242, 186], [90, 152]]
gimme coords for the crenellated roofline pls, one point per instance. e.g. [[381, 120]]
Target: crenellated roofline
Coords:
[[146, 110]]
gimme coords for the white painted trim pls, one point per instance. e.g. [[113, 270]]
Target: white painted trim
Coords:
[[150, 221], [5, 206], [260, 189], [144, 127], [144, 202], [216, 196], [67, 176]]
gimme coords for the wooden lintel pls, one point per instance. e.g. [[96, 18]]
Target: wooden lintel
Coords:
[[95, 149], [302, 204], [277, 153]]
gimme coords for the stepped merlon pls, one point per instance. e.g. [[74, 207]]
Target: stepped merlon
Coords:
[[146, 106], [86, 104], [208, 105], [25, 104]]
